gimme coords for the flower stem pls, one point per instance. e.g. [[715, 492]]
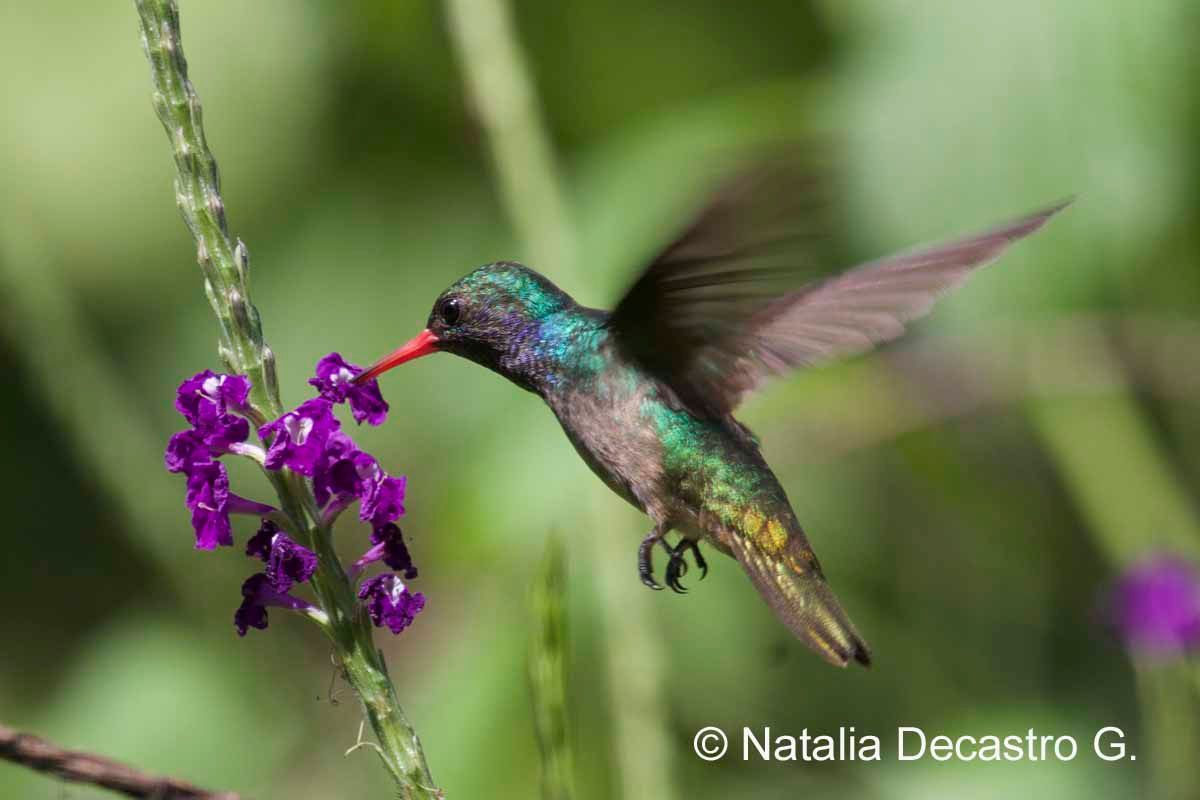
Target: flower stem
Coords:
[[224, 262]]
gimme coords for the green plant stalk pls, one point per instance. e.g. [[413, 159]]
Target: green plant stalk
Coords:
[[1124, 485], [224, 263], [547, 672], [506, 103]]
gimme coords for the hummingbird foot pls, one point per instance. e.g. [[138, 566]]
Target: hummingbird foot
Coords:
[[645, 562], [677, 567]]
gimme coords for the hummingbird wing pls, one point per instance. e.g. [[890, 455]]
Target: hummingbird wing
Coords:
[[716, 314]]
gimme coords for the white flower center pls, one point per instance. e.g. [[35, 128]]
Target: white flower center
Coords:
[[298, 428]]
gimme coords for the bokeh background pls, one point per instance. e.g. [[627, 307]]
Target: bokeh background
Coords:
[[973, 491]]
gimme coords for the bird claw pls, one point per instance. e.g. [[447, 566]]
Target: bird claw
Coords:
[[645, 564], [677, 567]]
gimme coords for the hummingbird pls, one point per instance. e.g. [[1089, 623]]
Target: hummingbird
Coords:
[[646, 392]]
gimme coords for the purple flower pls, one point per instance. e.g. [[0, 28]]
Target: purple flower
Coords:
[[300, 436], [287, 563], [211, 503], [343, 472], [1156, 606], [387, 546], [382, 497], [206, 400], [206, 394], [208, 499], [335, 474], [258, 593], [389, 603], [334, 374]]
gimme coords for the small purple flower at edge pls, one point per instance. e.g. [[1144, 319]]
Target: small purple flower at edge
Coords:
[[389, 602], [333, 381], [1156, 606]]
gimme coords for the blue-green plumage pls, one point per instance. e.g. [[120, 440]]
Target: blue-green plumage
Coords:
[[646, 392]]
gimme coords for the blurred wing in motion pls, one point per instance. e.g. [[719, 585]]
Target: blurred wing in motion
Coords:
[[714, 315]]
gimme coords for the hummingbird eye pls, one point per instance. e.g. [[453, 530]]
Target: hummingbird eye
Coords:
[[450, 310]]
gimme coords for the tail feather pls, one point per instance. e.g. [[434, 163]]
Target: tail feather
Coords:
[[792, 584]]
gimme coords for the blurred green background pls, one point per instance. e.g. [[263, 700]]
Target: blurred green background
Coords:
[[972, 490]]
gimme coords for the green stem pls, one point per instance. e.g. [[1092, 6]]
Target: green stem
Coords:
[[1105, 449], [547, 672], [506, 103], [224, 262]]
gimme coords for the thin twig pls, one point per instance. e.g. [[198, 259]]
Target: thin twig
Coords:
[[79, 767]]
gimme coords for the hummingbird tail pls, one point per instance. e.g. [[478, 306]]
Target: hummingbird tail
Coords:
[[792, 584]]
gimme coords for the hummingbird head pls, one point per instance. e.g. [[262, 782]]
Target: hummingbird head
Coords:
[[489, 316]]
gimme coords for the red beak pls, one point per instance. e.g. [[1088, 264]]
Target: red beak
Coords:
[[422, 344]]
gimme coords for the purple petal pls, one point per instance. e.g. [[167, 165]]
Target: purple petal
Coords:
[[250, 614], [334, 472], [289, 563], [208, 499], [241, 505], [389, 603], [259, 545], [387, 546], [383, 502], [184, 451], [394, 551], [367, 403], [210, 389], [298, 438]]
